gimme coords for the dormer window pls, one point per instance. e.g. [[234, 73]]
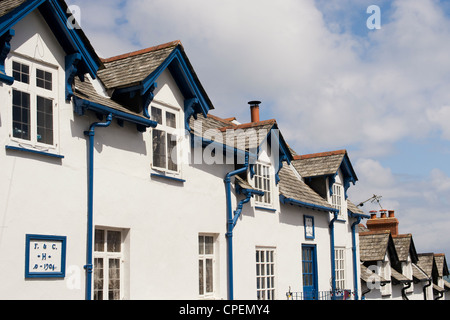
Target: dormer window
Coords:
[[336, 199], [262, 181], [164, 139]]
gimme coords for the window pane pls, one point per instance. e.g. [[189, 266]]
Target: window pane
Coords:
[[209, 247], [172, 151], [114, 241], [200, 277], [159, 148], [209, 275], [156, 115], [21, 115], [21, 72], [98, 279], [44, 120], [99, 240], [114, 279], [201, 244], [170, 120]]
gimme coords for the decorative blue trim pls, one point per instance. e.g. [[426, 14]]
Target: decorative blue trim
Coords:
[[11, 18], [299, 203], [71, 67], [166, 177], [189, 111], [5, 47], [148, 98], [46, 274], [313, 227], [43, 153], [266, 209]]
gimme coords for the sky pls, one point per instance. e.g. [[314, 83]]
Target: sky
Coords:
[[329, 81]]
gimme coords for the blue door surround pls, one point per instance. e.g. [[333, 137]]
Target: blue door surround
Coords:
[[309, 269]]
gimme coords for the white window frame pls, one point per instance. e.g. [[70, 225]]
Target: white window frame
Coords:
[[336, 199], [339, 262], [106, 256], [263, 180], [265, 259], [167, 130], [34, 92], [203, 258]]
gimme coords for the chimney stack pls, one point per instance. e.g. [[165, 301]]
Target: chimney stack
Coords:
[[254, 110], [383, 223]]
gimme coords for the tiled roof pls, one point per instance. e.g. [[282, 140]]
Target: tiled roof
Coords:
[[353, 208], [441, 264], [85, 90], [132, 68], [373, 245], [7, 6], [418, 273], [425, 263], [294, 188], [398, 276], [371, 277], [319, 164], [402, 246]]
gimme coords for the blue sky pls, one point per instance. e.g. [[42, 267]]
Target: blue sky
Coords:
[[330, 82]]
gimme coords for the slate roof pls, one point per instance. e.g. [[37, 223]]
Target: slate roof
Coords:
[[426, 261], [7, 6], [441, 264], [353, 208], [374, 245], [370, 277], [132, 68], [319, 164], [85, 90], [419, 274], [403, 245], [291, 186], [399, 277]]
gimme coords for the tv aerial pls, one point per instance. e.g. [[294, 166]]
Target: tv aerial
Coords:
[[372, 199]]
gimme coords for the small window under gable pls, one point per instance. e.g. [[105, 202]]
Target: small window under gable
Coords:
[[336, 199], [165, 138], [263, 181]]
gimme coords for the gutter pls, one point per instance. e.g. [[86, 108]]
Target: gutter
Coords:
[[232, 220]]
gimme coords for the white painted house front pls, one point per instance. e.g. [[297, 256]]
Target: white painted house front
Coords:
[[109, 189]]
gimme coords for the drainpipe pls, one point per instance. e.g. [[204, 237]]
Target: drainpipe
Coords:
[[425, 290], [230, 225], [355, 265], [90, 224], [404, 291], [333, 263]]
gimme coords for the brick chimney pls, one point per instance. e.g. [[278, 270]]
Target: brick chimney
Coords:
[[254, 110], [384, 222]]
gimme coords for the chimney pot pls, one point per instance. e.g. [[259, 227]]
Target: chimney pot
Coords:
[[254, 110], [383, 213], [373, 214], [391, 214]]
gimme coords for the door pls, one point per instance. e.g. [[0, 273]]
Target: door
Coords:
[[309, 265]]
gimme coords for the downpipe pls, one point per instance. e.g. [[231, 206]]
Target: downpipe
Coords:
[[355, 265], [333, 262], [230, 224], [90, 217]]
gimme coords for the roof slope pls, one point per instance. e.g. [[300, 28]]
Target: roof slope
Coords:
[[293, 188], [403, 246], [373, 245], [7, 6], [426, 261], [132, 68], [319, 164]]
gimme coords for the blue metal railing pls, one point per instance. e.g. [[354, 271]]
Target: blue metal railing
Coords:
[[320, 295]]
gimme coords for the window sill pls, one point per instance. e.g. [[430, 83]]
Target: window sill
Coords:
[[43, 153], [157, 175], [265, 208]]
